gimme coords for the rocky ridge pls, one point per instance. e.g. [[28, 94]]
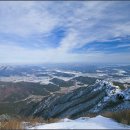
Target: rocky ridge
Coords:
[[97, 98]]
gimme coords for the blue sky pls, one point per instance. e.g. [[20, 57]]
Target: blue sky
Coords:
[[67, 31]]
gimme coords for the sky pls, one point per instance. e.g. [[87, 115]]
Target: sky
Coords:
[[64, 31]]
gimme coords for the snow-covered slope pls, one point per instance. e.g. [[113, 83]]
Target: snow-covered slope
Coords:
[[98, 122]]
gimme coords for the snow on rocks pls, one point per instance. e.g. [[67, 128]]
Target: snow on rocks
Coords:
[[109, 87], [113, 94]]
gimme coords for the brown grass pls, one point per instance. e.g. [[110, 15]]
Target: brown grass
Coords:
[[11, 124], [121, 117], [17, 123], [21, 123], [52, 120]]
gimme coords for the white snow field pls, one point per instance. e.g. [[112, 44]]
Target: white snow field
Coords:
[[98, 122]]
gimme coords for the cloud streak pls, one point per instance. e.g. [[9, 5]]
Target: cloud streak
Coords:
[[83, 23]]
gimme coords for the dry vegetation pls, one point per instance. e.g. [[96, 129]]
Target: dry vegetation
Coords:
[[121, 117], [11, 124], [21, 123]]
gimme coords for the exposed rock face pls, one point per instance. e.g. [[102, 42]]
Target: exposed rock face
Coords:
[[4, 117], [102, 96]]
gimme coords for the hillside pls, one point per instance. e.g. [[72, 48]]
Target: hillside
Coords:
[[101, 97]]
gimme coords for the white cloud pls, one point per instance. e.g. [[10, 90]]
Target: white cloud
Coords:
[[21, 55], [24, 19], [85, 22], [93, 21], [123, 45]]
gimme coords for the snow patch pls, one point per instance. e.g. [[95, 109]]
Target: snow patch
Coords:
[[98, 122]]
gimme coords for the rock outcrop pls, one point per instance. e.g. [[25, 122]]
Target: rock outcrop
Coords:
[[100, 97]]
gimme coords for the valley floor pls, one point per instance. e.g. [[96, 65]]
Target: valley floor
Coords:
[[98, 122]]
